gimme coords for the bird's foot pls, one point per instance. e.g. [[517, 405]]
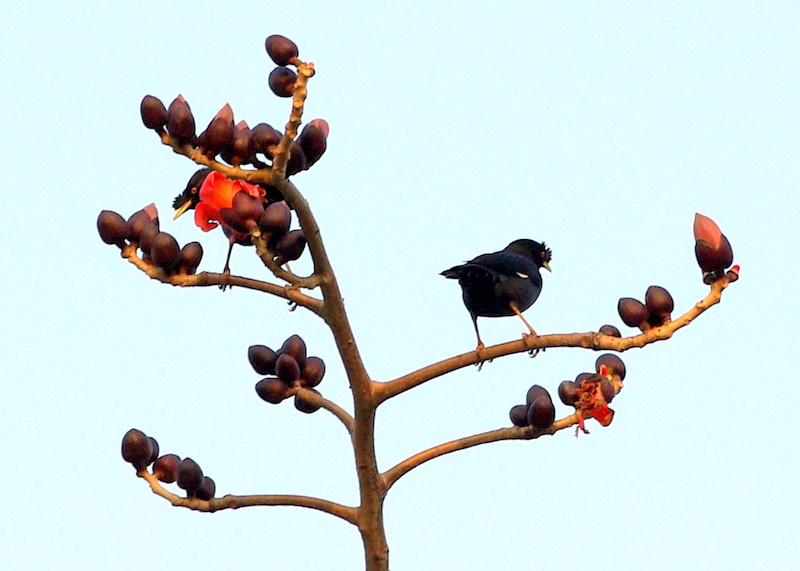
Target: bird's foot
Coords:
[[535, 351], [223, 285], [481, 360]]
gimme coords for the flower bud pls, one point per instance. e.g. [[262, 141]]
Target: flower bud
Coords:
[[165, 468], [137, 448], [180, 122], [165, 251], [633, 313], [113, 228], [281, 81], [189, 476], [280, 49], [291, 246], [272, 390], [190, 258], [154, 114]]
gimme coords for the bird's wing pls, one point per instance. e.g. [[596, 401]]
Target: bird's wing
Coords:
[[507, 264]]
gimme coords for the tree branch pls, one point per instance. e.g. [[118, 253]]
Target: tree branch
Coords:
[[205, 279], [513, 433], [234, 502], [589, 340]]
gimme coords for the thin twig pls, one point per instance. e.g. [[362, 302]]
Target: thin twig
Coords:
[[316, 398], [348, 514]]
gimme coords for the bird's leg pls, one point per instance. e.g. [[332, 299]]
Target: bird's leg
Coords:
[[516, 310], [480, 346], [226, 271]]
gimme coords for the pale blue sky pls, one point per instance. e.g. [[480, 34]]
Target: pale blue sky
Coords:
[[600, 128]]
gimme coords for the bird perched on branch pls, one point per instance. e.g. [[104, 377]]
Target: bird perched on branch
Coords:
[[502, 283]]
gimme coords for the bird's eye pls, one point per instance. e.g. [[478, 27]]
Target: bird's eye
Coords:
[[523, 276]]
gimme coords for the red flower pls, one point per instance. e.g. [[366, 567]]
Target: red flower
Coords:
[[217, 193]]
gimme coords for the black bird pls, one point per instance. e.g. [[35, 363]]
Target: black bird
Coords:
[[502, 283]]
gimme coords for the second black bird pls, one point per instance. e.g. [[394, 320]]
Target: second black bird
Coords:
[[503, 283]]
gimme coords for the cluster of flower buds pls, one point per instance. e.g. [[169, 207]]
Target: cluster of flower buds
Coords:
[[248, 212], [236, 143], [283, 52], [656, 309], [712, 250], [142, 230], [590, 393], [291, 369], [538, 410], [142, 450]]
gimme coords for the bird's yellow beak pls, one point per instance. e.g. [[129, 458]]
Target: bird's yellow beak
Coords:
[[546, 266], [182, 209]]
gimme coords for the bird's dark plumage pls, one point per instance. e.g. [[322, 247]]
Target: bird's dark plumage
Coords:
[[502, 283]]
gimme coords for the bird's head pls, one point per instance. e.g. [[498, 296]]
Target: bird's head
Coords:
[[539, 253], [190, 197]]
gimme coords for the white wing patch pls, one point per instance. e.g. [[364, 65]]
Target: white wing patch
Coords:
[[523, 276]]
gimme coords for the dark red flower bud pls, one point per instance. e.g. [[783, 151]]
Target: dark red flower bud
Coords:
[[610, 330], [712, 249], [113, 228], [272, 390], [140, 219], [297, 159], [218, 136], [633, 313], [165, 467], [265, 136], [154, 114], [542, 413], [206, 490], [153, 450], [276, 219], [581, 377], [660, 303], [291, 246], [534, 393], [287, 369], [190, 258], [180, 122], [164, 251], [281, 81], [312, 372], [280, 49], [613, 363], [262, 359], [296, 347], [303, 403], [189, 476], [568, 392], [137, 448], [242, 148], [244, 214], [519, 415], [146, 238], [313, 140]]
